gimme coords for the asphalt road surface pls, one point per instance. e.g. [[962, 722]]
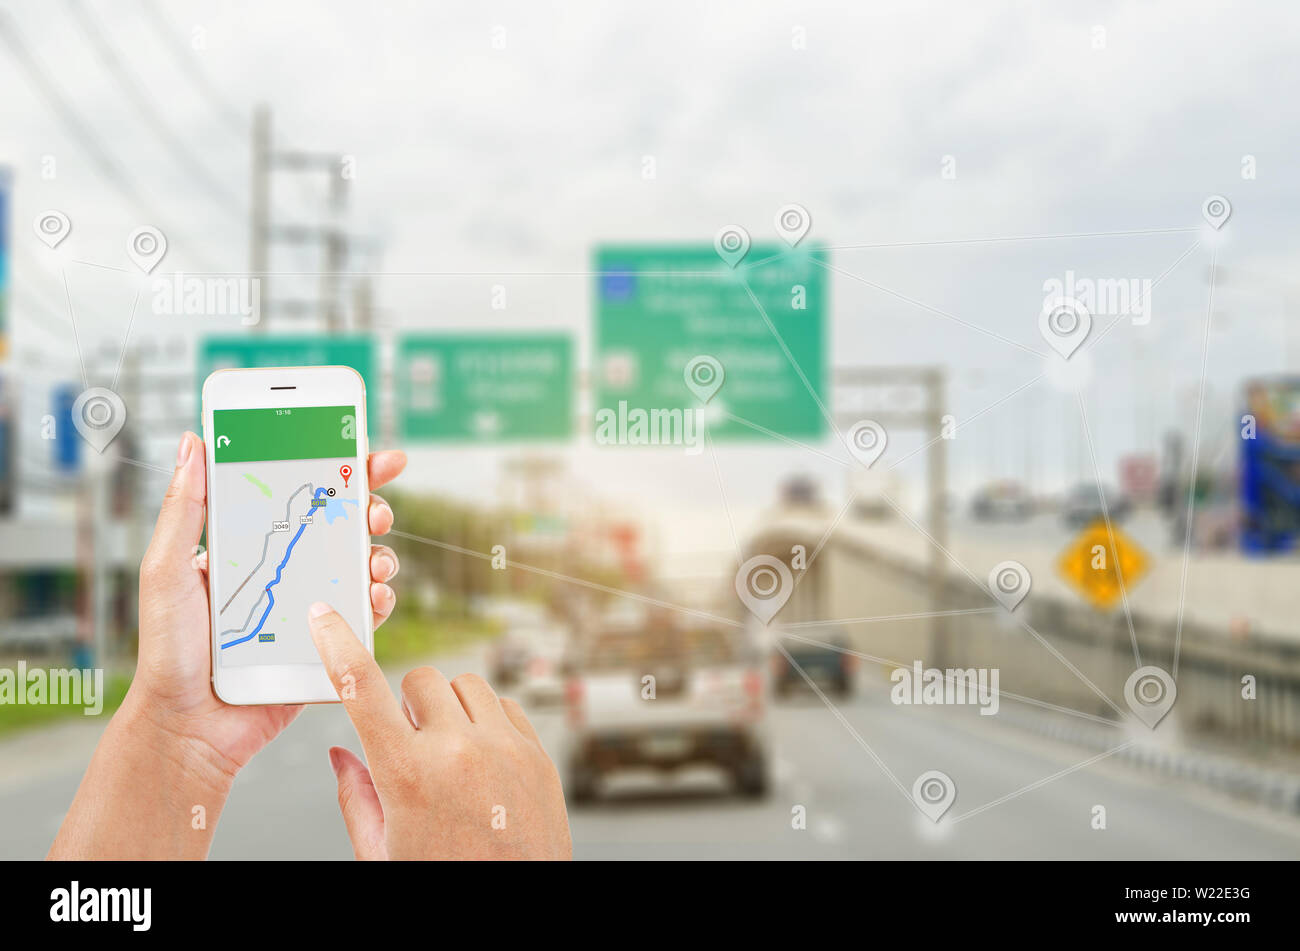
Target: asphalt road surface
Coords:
[[283, 805]]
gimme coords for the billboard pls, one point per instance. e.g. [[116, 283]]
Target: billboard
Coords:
[[1270, 465]]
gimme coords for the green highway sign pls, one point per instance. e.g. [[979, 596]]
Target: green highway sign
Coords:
[[357, 352], [481, 387], [660, 306]]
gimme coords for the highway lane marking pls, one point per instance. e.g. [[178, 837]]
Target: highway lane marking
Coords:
[[1030, 745], [1043, 782], [849, 726]]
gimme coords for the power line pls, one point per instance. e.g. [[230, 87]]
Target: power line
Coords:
[[164, 29], [89, 141], [86, 136], [227, 199], [228, 114]]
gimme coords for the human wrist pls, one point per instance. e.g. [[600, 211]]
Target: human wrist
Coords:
[[175, 742], [153, 790]]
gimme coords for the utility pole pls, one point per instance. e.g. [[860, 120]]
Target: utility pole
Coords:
[[862, 386], [336, 246], [937, 477], [330, 235], [259, 206]]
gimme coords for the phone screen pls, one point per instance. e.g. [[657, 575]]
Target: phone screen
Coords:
[[287, 527]]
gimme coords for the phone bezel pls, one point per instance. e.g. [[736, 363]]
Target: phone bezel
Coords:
[[251, 388]]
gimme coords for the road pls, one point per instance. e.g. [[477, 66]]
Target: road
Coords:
[[283, 804], [279, 571]]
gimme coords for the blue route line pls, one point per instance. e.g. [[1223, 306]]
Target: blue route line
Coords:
[[278, 572]]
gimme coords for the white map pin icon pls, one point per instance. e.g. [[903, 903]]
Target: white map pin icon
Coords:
[[146, 247], [1150, 692], [52, 227], [99, 415], [866, 440], [934, 793], [1216, 210], [792, 223], [704, 376], [764, 584], [1064, 324], [1009, 581], [732, 244]]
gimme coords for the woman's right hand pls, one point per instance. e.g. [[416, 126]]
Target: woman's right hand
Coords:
[[454, 771]]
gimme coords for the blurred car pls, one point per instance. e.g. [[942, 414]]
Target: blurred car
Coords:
[[871, 492], [831, 670], [1082, 505], [543, 675], [507, 658], [800, 492], [1002, 502], [511, 612], [707, 705]]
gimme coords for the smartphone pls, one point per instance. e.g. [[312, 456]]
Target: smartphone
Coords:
[[287, 525]]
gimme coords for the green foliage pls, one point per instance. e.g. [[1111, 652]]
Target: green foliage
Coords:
[[411, 637], [15, 717]]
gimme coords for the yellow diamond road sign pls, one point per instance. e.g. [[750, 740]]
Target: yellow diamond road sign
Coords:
[[1094, 569]]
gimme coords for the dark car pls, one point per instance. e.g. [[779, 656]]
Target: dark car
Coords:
[[800, 491], [1083, 505], [830, 668], [1002, 501]]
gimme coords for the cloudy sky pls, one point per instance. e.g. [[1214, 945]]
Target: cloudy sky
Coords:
[[509, 137]]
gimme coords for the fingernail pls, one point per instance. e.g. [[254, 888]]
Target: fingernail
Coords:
[[385, 593], [183, 450], [334, 760], [387, 566], [319, 608]]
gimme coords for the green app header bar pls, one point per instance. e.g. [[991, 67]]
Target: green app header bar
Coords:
[[297, 432]]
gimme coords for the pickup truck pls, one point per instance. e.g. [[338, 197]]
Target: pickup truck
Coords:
[[665, 697]]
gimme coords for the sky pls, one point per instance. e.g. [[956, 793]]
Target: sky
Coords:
[[512, 137]]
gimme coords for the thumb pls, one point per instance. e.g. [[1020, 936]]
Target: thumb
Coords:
[[180, 520], [362, 813]]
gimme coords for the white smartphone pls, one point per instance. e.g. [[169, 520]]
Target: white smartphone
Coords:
[[287, 525]]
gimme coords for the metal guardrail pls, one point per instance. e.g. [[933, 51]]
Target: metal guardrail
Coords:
[[853, 579]]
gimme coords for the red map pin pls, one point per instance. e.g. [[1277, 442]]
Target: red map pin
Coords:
[[346, 472]]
